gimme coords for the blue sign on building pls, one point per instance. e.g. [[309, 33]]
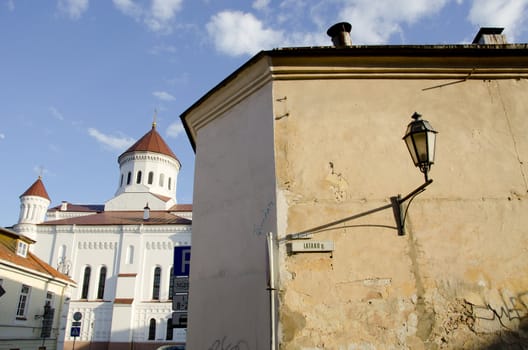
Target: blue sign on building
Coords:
[[75, 331], [182, 260]]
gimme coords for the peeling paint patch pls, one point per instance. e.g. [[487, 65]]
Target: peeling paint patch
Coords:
[[292, 323], [338, 185]]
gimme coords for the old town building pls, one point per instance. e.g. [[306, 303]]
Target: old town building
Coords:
[[305, 145]]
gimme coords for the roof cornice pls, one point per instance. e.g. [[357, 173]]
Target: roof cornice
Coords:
[[357, 62]]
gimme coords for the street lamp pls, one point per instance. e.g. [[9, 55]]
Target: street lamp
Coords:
[[420, 139]]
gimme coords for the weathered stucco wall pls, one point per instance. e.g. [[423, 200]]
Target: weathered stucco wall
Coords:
[[458, 278], [234, 201]]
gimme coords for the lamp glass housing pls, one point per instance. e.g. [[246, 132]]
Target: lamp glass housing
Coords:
[[420, 139]]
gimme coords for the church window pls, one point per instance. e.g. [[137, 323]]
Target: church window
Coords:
[[150, 177], [170, 180], [121, 182], [162, 177], [156, 283], [102, 281], [86, 282], [152, 329], [138, 178], [129, 178], [170, 330], [171, 283]]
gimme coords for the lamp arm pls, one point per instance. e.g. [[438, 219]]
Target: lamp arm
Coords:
[[416, 191], [397, 203]]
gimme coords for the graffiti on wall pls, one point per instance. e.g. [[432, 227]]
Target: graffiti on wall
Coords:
[[258, 228], [506, 312], [225, 344]]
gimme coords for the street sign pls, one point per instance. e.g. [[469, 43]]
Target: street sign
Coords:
[[76, 323], [182, 260], [179, 319], [75, 331], [181, 284], [77, 316], [179, 302]]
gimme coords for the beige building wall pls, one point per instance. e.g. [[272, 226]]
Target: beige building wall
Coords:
[[228, 293], [457, 279]]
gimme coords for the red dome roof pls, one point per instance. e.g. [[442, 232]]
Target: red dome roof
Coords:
[[151, 142], [37, 189]]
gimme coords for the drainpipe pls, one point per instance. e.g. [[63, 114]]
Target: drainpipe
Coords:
[[271, 288]]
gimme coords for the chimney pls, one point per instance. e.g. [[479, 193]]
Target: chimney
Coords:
[[340, 34], [490, 36], [64, 206], [146, 213]]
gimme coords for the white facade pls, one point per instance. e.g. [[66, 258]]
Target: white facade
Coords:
[[120, 258]]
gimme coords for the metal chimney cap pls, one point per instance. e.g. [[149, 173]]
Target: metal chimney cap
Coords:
[[338, 28]]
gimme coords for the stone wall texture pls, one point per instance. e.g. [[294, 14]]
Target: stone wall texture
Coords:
[[458, 278]]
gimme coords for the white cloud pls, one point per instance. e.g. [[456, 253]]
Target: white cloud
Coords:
[[118, 143], [260, 4], [128, 7], [237, 33], [510, 14], [73, 8], [10, 5], [157, 17], [175, 129], [374, 22], [158, 49], [55, 113], [2, 136], [163, 95]]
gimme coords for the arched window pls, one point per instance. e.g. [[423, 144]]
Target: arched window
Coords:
[[170, 330], [171, 283], [162, 177], [102, 281], [86, 282], [170, 183], [138, 178], [156, 283], [150, 178], [130, 255], [129, 178], [121, 182], [152, 329]]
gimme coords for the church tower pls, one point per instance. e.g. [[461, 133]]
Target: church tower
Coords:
[[148, 175], [33, 206]]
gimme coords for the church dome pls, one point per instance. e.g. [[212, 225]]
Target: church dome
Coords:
[[151, 142], [37, 189]]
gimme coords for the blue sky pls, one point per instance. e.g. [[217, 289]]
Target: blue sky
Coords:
[[80, 79]]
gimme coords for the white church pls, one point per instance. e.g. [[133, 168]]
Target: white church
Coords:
[[120, 253]]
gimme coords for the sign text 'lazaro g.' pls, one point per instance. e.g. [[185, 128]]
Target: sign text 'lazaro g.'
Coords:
[[311, 246]]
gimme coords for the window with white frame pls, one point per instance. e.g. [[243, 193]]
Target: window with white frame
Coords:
[[23, 302], [22, 248]]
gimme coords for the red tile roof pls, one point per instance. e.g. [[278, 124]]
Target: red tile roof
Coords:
[[8, 247], [123, 218], [37, 189], [151, 142], [181, 207], [80, 207]]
